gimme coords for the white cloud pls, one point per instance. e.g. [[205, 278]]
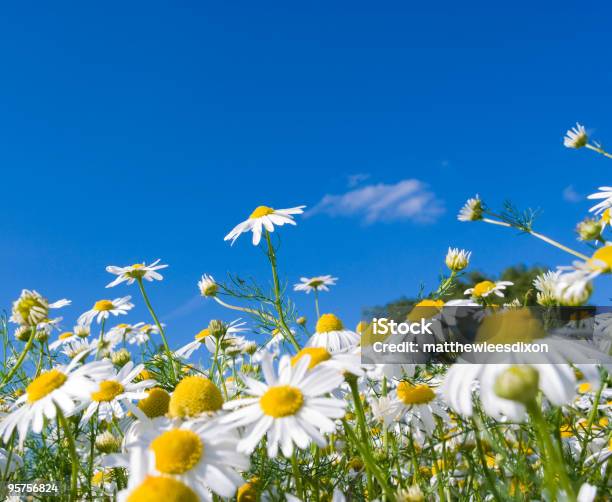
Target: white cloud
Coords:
[[570, 195], [355, 179], [405, 200]]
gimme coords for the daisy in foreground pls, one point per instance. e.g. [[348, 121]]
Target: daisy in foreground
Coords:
[[103, 308], [318, 283], [135, 272], [264, 217], [196, 458], [63, 387], [290, 408], [109, 399]]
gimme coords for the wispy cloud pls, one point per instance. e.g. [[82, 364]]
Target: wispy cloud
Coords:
[[570, 194], [405, 200], [185, 308], [355, 179]]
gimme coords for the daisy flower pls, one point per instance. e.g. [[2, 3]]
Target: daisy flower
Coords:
[[546, 285], [142, 333], [457, 259], [417, 405], [576, 137], [63, 339], [204, 337], [65, 387], [288, 408], [318, 283], [471, 210], [208, 286], [103, 308], [264, 217], [331, 334], [200, 455], [486, 288], [135, 272], [605, 193], [31, 308], [343, 362], [111, 394]]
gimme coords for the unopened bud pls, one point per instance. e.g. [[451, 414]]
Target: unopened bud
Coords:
[[518, 383]]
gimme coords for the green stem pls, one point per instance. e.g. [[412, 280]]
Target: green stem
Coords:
[[316, 298], [599, 150], [590, 421], [296, 475], [159, 326], [277, 294], [22, 357], [74, 459], [483, 462]]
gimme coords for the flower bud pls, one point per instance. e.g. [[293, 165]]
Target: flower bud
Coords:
[[517, 383], [457, 259], [216, 328], [301, 321], [121, 357], [107, 443], [588, 230]]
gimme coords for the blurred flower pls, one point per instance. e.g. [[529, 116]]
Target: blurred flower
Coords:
[[208, 286], [31, 308], [576, 137], [318, 283], [485, 288], [588, 230], [546, 285], [472, 210]]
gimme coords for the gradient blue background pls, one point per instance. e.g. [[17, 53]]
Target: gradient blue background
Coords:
[[136, 130]]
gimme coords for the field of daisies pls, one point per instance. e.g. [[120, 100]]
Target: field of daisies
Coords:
[[268, 405]]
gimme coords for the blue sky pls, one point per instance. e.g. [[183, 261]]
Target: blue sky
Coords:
[[143, 130]]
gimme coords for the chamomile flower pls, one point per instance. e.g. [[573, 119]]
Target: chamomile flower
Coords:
[[318, 283], [605, 193], [109, 399], [63, 339], [200, 455], [288, 408], [64, 387], [206, 338], [264, 217], [417, 405], [576, 137], [486, 288], [142, 333], [138, 271], [331, 334], [103, 308], [208, 286], [472, 210], [546, 285], [457, 259], [32, 308], [79, 346], [573, 289]]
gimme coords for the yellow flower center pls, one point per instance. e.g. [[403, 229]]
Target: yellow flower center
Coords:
[[177, 451], [482, 288], [100, 478], [606, 216], [281, 401], [414, 394], [65, 335], [261, 211], [45, 384], [156, 403], [329, 322], [25, 305], [193, 396], [162, 489], [103, 305], [317, 355], [247, 492], [603, 255], [584, 387], [202, 335], [109, 390], [138, 265]]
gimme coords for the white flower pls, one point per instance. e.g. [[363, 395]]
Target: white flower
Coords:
[[343, 362], [605, 194], [472, 210], [31, 308], [384, 409], [576, 137], [78, 346], [331, 334], [574, 288], [556, 381], [586, 493], [208, 286], [485, 288], [64, 339], [318, 283], [135, 272], [290, 408], [546, 284], [142, 333], [457, 259], [114, 391], [264, 217], [417, 405], [64, 387], [103, 308], [199, 454], [204, 338]]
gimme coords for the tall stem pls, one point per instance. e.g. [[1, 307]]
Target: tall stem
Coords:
[[316, 298], [74, 459], [277, 294], [159, 326], [22, 356]]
